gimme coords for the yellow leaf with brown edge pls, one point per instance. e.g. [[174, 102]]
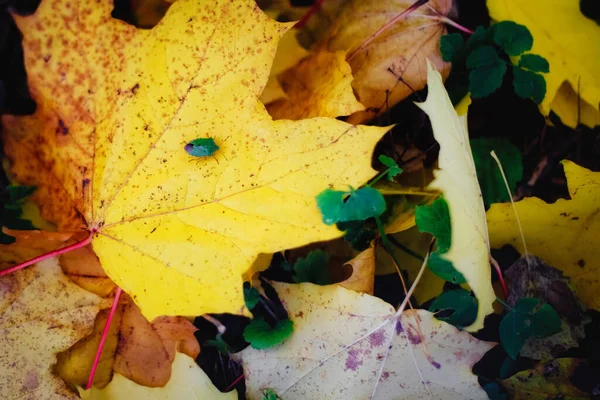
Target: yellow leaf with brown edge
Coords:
[[393, 65], [363, 272], [106, 148], [563, 234], [41, 313], [188, 382], [565, 37], [456, 179], [140, 350], [320, 85]]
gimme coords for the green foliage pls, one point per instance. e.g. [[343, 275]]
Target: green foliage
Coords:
[[12, 199], [219, 343], [261, 335], [528, 318], [313, 268], [489, 176], [484, 57], [444, 269], [463, 304], [393, 168], [450, 46], [435, 219], [251, 296], [355, 205], [487, 71], [513, 38], [269, 394], [534, 63], [494, 392], [528, 84], [358, 235]]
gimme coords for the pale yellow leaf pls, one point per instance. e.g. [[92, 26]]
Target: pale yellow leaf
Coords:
[[41, 313], [188, 382], [456, 178], [348, 345]]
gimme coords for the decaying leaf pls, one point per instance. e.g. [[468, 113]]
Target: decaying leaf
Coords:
[[456, 178], [30, 244], [83, 267], [563, 234], [562, 35], [188, 382], [399, 52], [41, 313], [531, 277], [139, 350], [549, 380], [363, 272], [116, 106], [350, 345], [318, 86]]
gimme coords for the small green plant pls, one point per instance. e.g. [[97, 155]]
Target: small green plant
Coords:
[[261, 335], [435, 219], [528, 318], [484, 57]]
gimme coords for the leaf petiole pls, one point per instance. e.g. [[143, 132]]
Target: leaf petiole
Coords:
[[51, 254]]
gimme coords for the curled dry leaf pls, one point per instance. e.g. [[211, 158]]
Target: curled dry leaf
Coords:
[[188, 382], [399, 52], [106, 147], [350, 345], [41, 313], [135, 348], [318, 86], [575, 250], [363, 272]]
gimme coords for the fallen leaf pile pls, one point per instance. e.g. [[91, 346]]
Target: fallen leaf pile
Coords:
[[219, 202]]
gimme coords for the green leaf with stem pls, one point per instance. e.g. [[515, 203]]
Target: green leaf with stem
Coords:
[[312, 268], [459, 300], [354, 205], [513, 38], [261, 335], [528, 318]]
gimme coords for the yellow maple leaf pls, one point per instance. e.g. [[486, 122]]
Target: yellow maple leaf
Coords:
[[565, 37], [41, 313], [349, 345], [188, 382], [116, 105], [563, 234], [320, 85], [457, 180]]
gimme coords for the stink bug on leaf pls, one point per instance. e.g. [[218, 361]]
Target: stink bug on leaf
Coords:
[[203, 147]]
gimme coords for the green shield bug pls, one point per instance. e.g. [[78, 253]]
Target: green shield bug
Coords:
[[203, 147]]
